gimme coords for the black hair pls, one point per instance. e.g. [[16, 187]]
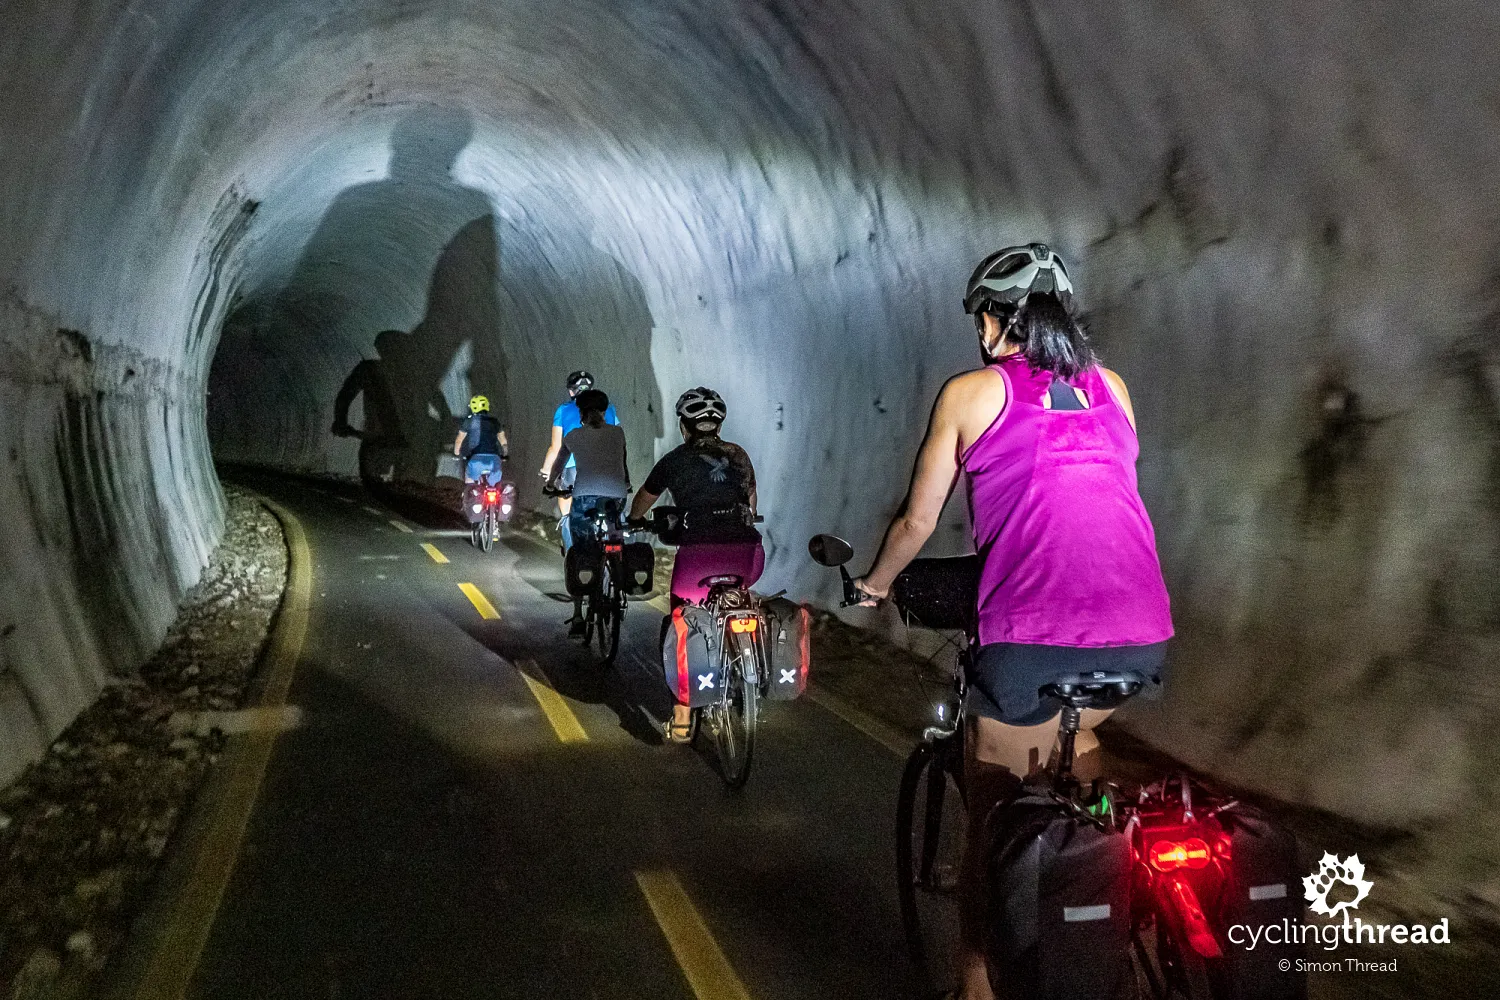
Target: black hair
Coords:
[[1050, 336], [591, 406]]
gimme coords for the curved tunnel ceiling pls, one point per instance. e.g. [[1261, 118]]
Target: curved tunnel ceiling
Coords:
[[1283, 227]]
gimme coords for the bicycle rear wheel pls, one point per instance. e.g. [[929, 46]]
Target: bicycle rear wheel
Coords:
[[611, 611], [487, 531], [930, 822], [734, 732]]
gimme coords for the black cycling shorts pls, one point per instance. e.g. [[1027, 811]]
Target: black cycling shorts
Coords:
[[1004, 682], [568, 477]]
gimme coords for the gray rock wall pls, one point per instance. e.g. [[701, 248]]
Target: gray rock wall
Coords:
[[1282, 223]]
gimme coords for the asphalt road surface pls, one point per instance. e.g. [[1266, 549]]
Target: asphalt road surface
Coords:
[[473, 806]]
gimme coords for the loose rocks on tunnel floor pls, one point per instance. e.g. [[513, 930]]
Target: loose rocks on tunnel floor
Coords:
[[83, 831]]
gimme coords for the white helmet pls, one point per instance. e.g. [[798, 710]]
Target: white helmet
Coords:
[[701, 404], [1006, 277]]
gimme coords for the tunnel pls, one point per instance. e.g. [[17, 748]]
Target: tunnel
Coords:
[[238, 232]]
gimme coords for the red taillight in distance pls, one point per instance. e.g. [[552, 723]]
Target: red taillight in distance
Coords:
[[491, 496]]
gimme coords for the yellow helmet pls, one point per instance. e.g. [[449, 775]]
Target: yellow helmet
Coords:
[[479, 404]]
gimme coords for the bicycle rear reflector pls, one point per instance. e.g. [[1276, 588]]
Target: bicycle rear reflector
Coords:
[[1170, 855], [744, 624]]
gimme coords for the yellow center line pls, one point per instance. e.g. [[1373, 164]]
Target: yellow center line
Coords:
[[564, 723], [180, 945], [481, 603], [399, 526], [661, 603], [432, 550], [371, 510], [707, 970]]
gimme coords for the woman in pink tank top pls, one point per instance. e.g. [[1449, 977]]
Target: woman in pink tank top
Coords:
[[1070, 580]]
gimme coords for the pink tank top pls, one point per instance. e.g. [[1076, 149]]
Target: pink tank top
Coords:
[[1068, 551]]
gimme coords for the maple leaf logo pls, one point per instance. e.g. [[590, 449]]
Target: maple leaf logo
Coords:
[[1331, 871]]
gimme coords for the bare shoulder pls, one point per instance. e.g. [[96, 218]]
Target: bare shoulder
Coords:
[[969, 387], [1122, 394]]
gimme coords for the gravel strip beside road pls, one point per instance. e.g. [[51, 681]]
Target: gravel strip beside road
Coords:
[[84, 830]]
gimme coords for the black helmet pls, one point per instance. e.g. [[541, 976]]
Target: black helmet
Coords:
[[702, 405], [1006, 277], [579, 381]]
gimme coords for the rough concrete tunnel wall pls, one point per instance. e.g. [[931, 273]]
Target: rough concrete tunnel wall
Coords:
[[1283, 226]]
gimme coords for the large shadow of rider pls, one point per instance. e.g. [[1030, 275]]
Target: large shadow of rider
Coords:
[[400, 278]]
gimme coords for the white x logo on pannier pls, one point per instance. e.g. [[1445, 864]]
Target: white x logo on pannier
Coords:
[[705, 681], [789, 677]]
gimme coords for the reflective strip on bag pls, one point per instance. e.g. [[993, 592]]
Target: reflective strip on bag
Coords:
[[1084, 914], [1260, 892], [684, 692], [804, 643]]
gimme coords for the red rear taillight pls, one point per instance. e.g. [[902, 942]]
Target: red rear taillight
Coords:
[[491, 496], [1170, 855], [744, 624], [613, 549]]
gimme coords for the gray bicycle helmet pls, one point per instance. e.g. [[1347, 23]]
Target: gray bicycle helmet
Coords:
[[702, 405], [1006, 277], [580, 381]]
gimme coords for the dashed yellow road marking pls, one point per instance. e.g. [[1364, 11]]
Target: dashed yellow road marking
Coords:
[[432, 550], [661, 603], [707, 970], [180, 947], [564, 723], [347, 499], [371, 510], [481, 603], [399, 526]]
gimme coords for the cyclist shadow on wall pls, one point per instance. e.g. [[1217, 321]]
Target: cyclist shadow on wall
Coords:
[[390, 317], [560, 278]]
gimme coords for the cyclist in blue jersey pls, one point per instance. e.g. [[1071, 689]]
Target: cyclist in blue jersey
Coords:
[[567, 418], [481, 442]]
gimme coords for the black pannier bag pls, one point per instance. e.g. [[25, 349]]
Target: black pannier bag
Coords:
[[639, 563], [472, 499], [690, 656], [790, 642], [1059, 924], [1263, 889], [581, 567], [939, 593]]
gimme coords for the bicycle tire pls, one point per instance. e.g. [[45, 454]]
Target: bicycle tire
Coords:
[[917, 763], [487, 532], [930, 828], [610, 618], [736, 752]]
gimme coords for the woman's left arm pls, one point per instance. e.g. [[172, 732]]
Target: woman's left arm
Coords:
[[932, 480]]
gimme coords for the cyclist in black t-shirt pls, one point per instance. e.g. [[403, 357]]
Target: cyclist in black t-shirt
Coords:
[[713, 482]]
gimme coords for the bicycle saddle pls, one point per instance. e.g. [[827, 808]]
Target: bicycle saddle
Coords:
[[1096, 689]]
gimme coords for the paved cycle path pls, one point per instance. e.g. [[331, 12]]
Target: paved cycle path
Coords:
[[474, 807]]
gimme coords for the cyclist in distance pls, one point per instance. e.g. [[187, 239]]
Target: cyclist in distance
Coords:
[[481, 442], [1070, 580], [595, 452], [713, 482], [564, 419]]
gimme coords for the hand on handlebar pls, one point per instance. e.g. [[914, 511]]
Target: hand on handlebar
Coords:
[[866, 596]]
